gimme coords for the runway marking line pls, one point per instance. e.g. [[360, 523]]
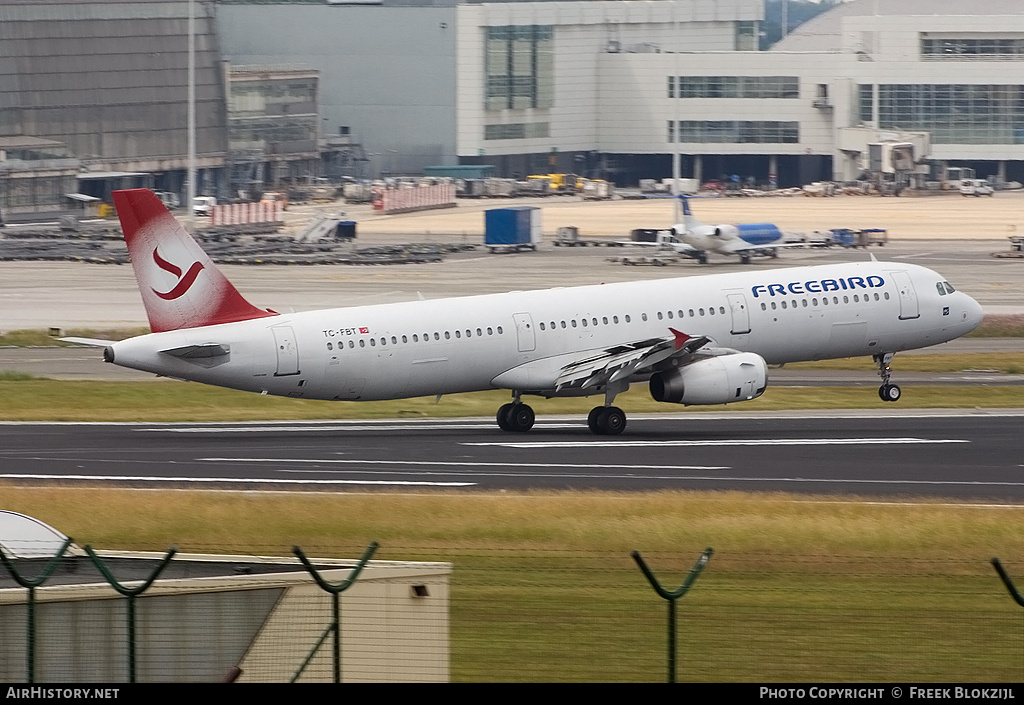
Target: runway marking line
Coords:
[[230, 480], [461, 463], [718, 443]]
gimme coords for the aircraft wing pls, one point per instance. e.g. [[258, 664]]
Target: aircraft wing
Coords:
[[622, 361]]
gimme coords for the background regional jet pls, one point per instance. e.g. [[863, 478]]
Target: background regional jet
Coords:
[[743, 239], [696, 340]]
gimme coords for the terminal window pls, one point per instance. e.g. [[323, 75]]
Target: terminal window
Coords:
[[519, 65]]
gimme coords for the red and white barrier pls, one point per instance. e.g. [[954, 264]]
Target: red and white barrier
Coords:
[[242, 213], [401, 200]]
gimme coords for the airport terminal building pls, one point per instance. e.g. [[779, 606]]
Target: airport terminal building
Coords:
[[613, 88], [604, 88]]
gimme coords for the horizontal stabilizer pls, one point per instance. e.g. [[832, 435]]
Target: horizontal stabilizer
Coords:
[[192, 352], [91, 342]]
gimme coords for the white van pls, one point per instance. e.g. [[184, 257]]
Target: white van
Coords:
[[975, 187], [203, 205]]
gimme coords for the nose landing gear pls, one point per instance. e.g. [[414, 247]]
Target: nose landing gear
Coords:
[[887, 392]]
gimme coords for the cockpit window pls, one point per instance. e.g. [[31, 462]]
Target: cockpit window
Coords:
[[942, 290], [949, 287]]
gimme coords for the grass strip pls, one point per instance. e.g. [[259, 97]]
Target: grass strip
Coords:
[[51, 400], [543, 589]]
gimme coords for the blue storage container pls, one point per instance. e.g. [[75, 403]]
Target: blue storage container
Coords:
[[516, 226]]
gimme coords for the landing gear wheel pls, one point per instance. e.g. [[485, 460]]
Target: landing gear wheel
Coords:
[[612, 421], [889, 392], [502, 417], [520, 418], [606, 420]]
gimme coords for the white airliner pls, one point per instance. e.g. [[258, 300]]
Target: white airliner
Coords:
[[744, 239], [694, 340]]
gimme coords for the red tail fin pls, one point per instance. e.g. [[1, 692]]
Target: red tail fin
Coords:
[[181, 287]]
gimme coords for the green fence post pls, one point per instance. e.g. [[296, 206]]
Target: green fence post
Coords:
[[671, 597], [1007, 582], [334, 591], [130, 593], [31, 586]]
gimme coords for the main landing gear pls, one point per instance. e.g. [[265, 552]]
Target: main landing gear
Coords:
[[604, 420], [887, 392], [516, 416]]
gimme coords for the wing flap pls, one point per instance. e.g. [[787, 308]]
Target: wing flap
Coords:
[[620, 362]]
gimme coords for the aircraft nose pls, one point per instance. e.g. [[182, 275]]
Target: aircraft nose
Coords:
[[973, 313]]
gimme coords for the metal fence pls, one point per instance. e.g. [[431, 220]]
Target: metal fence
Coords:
[[563, 615]]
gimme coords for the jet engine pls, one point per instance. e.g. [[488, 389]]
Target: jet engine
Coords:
[[714, 380]]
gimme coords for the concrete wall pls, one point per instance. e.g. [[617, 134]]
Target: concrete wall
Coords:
[[388, 73], [109, 79]]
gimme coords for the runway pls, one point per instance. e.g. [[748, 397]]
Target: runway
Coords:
[[945, 454]]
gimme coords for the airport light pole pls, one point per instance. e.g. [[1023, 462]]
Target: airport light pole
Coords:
[[190, 187]]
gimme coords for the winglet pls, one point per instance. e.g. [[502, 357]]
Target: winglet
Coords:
[[181, 287], [681, 338]]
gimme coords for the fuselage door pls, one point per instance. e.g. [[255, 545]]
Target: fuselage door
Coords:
[[740, 314], [287, 351], [524, 332], [908, 296]]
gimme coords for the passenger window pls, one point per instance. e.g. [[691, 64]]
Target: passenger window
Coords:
[[643, 316], [542, 325], [330, 347], [499, 330]]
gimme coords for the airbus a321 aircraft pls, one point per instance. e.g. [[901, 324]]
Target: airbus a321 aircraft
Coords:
[[744, 239], [694, 340]]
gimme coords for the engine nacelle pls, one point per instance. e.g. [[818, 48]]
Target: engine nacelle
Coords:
[[714, 380]]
